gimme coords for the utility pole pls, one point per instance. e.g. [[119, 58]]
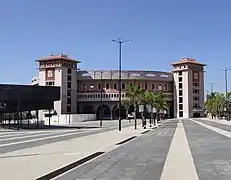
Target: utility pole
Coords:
[[101, 99], [120, 42], [226, 91], [211, 87]]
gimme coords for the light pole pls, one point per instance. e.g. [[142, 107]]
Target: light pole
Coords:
[[101, 98], [120, 42], [211, 87], [77, 99], [226, 89]]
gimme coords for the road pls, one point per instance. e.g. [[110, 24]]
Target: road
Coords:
[[180, 149]]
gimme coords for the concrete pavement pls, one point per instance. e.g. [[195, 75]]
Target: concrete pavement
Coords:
[[187, 149], [23, 139], [40, 160], [165, 153]]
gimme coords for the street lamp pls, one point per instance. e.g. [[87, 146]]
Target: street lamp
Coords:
[[101, 98], [77, 99], [211, 87], [120, 42], [226, 89]]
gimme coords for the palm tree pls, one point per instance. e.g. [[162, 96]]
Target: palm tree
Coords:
[[157, 100], [160, 103], [215, 104], [136, 97], [150, 100], [127, 104]]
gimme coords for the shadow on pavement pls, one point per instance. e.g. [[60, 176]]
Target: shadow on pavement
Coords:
[[42, 126]]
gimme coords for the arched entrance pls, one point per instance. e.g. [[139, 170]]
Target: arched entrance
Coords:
[[87, 109], [105, 110], [115, 112]]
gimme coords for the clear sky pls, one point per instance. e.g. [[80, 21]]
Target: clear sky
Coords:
[[162, 31]]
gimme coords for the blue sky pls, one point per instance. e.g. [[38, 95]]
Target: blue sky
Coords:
[[162, 31]]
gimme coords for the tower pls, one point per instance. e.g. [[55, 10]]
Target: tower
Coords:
[[60, 70], [188, 75]]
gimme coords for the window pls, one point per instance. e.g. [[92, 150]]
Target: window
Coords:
[[107, 86], [160, 87], [68, 100], [92, 86], [180, 93], [130, 84], [196, 91], [181, 114], [196, 105], [196, 84], [180, 99], [165, 87], [180, 85], [114, 86], [98, 95], [68, 92], [146, 86], [106, 95], [68, 77], [123, 85], [50, 83], [90, 96], [180, 106], [138, 86], [153, 86], [196, 98], [180, 79], [68, 71], [99, 86], [49, 73], [68, 109], [84, 86], [69, 85], [180, 73]]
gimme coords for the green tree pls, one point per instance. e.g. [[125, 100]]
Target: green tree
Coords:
[[136, 97], [156, 100], [127, 104], [214, 104]]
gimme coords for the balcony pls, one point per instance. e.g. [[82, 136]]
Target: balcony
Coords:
[[95, 96]]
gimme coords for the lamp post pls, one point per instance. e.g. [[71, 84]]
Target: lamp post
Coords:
[[120, 42], [101, 98], [77, 98], [211, 87], [226, 90]]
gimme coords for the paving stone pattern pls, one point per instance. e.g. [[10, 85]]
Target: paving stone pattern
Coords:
[[211, 152], [140, 159], [225, 127]]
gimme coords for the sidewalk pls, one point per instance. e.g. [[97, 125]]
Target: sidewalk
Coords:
[[216, 120], [34, 162]]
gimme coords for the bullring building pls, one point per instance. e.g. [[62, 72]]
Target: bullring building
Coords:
[[85, 91]]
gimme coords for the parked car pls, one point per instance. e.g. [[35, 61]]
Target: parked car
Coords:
[[130, 116]]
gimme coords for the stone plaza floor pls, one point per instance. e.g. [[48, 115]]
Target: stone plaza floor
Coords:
[[178, 149]]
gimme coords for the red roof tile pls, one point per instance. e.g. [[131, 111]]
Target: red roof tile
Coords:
[[188, 61], [58, 57]]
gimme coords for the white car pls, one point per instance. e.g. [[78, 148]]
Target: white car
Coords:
[[130, 116]]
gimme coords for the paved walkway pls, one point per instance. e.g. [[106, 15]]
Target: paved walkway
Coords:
[[178, 150], [189, 149], [32, 162]]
